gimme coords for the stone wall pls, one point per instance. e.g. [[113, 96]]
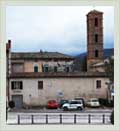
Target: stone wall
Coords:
[[59, 88]]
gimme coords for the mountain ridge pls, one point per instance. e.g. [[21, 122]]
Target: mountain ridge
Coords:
[[107, 53], [80, 62]]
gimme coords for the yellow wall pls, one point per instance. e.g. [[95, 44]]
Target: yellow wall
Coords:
[[29, 66]]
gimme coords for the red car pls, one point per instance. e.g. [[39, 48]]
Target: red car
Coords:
[[52, 104]]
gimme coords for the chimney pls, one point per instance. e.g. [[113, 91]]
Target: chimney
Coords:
[[9, 43], [41, 51]]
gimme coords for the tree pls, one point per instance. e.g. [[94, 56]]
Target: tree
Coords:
[[11, 104], [112, 117], [109, 69]]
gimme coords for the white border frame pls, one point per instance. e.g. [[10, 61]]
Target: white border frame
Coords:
[[3, 4]]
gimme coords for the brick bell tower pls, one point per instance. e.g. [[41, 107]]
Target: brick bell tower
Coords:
[[94, 38]]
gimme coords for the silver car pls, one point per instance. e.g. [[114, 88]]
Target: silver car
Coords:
[[73, 105], [94, 102]]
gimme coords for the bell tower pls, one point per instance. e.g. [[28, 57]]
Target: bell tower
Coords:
[[94, 38]]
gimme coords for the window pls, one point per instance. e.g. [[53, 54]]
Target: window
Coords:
[[67, 69], [96, 53], [40, 85], [73, 102], [96, 37], [55, 69], [98, 84], [17, 67], [46, 69], [35, 68], [96, 22], [16, 85]]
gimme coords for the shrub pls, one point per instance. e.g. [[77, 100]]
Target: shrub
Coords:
[[105, 102], [11, 104], [110, 103], [112, 117]]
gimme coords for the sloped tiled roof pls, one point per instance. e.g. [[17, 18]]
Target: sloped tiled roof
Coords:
[[94, 11], [39, 55], [102, 63]]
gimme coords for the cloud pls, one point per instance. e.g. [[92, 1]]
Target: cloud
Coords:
[[53, 28]]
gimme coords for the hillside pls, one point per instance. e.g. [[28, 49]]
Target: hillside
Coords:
[[80, 60], [107, 53]]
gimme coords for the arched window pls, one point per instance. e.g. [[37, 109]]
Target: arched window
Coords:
[[46, 68], [35, 68], [55, 69], [67, 69], [96, 53], [96, 22]]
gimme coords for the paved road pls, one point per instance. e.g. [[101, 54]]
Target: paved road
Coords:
[[54, 117], [98, 110]]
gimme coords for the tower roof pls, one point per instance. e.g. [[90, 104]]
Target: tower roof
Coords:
[[95, 12]]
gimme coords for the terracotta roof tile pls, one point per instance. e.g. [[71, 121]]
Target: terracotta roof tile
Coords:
[[39, 55]]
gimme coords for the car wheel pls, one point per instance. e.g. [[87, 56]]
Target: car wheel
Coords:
[[79, 108], [65, 108]]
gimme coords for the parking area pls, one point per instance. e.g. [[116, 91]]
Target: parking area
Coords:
[[76, 104]]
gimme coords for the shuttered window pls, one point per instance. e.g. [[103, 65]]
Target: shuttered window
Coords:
[[55, 69], [67, 69], [40, 85], [35, 68], [98, 84], [17, 67], [17, 85]]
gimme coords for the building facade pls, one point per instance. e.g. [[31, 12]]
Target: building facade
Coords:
[[29, 89], [36, 77], [94, 38], [41, 62]]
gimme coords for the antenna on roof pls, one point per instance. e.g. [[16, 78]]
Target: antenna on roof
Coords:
[[93, 7], [41, 51]]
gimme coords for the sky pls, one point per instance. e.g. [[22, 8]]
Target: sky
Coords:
[[54, 28]]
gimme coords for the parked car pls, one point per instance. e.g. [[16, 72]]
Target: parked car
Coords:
[[52, 104], [94, 102], [73, 105], [62, 102], [80, 99]]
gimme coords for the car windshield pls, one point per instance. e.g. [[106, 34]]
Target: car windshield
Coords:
[[94, 100], [64, 101], [52, 101], [75, 102]]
